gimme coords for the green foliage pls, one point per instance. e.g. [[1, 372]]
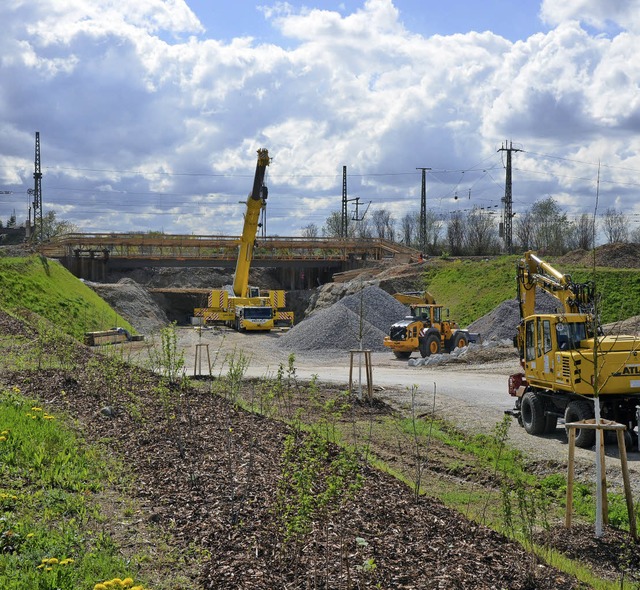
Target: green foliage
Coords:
[[471, 288], [48, 479], [317, 479], [45, 287], [620, 289], [166, 358]]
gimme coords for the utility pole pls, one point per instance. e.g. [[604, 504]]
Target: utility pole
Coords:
[[344, 220], [507, 216], [37, 191], [423, 211]]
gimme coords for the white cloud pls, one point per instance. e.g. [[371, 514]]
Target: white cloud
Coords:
[[140, 115], [624, 14]]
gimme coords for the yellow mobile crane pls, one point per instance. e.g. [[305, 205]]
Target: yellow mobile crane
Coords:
[[567, 361], [241, 306]]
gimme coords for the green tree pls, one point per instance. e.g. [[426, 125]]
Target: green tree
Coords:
[[310, 231], [333, 226], [456, 230], [481, 235], [551, 228], [51, 227], [614, 225]]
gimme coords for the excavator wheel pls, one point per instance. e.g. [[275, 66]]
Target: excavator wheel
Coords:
[[402, 354], [532, 413], [429, 345], [577, 411]]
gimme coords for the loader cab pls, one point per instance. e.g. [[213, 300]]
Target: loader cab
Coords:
[[431, 314]]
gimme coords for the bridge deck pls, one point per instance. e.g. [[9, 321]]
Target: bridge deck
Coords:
[[188, 247]]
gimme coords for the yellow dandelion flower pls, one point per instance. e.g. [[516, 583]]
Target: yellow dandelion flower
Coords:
[[36, 409], [99, 587], [52, 560], [31, 535], [16, 389], [48, 569], [34, 417], [41, 566], [127, 582], [4, 432], [3, 438]]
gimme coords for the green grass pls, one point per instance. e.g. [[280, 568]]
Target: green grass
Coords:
[[472, 288], [46, 288], [50, 526]]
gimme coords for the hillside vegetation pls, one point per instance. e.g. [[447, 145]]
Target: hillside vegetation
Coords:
[[472, 288], [45, 287]]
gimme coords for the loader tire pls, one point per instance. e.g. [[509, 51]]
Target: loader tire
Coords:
[[459, 341], [577, 411], [429, 345], [532, 413], [402, 354]]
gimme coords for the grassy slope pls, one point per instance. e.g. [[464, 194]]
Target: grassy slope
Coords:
[[48, 289], [471, 289]]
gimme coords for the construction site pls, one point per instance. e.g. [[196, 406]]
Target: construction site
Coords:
[[196, 372]]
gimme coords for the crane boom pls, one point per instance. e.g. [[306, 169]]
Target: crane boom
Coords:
[[256, 201], [240, 306]]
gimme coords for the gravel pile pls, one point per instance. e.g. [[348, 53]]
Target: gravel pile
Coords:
[[338, 326], [133, 303], [377, 307], [501, 323]]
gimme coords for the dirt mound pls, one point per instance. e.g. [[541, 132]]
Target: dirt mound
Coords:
[[609, 255], [133, 303], [629, 326]]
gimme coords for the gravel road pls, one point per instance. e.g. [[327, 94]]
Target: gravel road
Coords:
[[472, 396]]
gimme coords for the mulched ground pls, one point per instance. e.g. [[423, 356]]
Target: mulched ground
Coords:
[[208, 474]]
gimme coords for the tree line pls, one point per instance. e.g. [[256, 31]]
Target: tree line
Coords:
[[543, 227], [50, 227]]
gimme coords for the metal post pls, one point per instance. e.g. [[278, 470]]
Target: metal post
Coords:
[[423, 211]]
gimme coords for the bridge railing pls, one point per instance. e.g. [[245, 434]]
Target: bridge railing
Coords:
[[157, 245]]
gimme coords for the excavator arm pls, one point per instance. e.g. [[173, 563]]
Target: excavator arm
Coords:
[[256, 201], [534, 272]]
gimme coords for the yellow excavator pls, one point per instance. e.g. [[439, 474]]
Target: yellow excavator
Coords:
[[424, 331], [242, 306], [566, 359]]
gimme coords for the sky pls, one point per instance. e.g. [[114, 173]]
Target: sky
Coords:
[[150, 113]]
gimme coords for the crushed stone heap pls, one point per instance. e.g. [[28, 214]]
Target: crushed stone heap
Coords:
[[378, 307], [501, 323], [338, 327], [133, 303]]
